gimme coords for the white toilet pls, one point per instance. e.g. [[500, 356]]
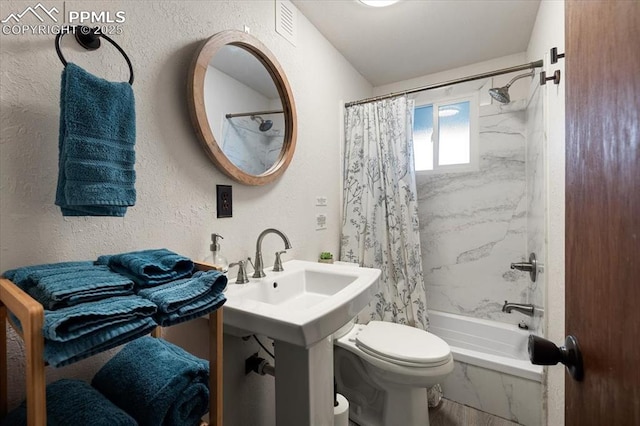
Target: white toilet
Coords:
[[384, 370]]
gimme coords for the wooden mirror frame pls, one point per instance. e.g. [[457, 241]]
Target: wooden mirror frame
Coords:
[[195, 89]]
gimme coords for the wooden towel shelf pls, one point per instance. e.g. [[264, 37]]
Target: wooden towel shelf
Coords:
[[31, 316]]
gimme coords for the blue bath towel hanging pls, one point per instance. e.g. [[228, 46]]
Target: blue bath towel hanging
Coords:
[[96, 174]]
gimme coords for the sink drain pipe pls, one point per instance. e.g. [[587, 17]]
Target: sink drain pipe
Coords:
[[258, 365]]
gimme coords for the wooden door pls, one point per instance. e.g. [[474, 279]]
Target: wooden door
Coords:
[[603, 209]]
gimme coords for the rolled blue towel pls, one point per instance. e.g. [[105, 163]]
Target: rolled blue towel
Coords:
[[74, 402], [58, 285], [156, 383], [149, 267], [96, 174], [188, 298]]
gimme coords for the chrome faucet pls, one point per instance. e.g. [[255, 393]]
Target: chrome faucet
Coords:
[[258, 267], [525, 309]]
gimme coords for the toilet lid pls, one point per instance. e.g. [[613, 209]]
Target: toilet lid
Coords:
[[402, 344]]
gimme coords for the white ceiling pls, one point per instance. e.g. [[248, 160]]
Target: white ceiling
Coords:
[[413, 38]]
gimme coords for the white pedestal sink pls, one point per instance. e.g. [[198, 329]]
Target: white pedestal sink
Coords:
[[300, 308]]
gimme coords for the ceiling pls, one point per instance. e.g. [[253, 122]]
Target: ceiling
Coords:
[[413, 38]]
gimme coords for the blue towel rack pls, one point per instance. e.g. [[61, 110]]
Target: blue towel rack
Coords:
[[89, 38], [30, 313]]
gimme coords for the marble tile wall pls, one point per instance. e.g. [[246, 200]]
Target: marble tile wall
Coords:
[[474, 224], [510, 397]]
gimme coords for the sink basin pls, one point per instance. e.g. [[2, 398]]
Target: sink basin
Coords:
[[301, 305], [299, 289]]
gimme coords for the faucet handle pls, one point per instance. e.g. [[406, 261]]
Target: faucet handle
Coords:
[[277, 265], [531, 267], [241, 278]]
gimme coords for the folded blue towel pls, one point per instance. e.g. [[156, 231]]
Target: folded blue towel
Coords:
[[58, 285], [156, 383], [59, 354], [96, 145], [202, 306], [70, 323], [19, 275], [149, 267], [188, 298], [74, 402]]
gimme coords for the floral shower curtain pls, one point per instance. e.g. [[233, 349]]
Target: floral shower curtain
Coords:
[[380, 219]]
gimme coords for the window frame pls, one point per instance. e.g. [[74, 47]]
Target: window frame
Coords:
[[474, 133]]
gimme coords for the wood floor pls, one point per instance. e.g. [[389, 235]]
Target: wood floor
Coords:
[[451, 413]]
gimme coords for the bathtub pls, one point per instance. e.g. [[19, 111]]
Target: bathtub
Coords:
[[492, 370]]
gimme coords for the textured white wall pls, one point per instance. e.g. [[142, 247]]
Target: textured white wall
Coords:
[[176, 182], [548, 32]]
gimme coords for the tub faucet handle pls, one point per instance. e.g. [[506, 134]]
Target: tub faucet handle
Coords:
[[522, 266], [531, 267]]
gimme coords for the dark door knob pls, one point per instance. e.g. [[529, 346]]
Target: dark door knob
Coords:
[[545, 352]]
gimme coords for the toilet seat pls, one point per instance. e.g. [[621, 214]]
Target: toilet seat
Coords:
[[402, 345]]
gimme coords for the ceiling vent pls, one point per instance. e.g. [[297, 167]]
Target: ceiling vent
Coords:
[[287, 20]]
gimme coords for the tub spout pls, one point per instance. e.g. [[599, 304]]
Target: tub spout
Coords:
[[523, 308]]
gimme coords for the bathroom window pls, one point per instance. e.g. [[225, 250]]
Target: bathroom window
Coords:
[[445, 135]]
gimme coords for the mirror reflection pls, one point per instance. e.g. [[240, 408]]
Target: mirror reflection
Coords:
[[244, 110]]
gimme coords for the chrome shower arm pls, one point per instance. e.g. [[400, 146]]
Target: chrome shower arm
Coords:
[[518, 77]]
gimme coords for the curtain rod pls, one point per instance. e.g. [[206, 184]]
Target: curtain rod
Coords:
[[530, 65], [245, 114]]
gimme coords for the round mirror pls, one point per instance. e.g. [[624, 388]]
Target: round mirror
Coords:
[[242, 108]]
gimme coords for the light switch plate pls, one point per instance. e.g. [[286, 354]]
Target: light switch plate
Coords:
[[321, 200]]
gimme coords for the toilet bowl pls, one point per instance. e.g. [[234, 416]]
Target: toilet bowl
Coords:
[[384, 370]]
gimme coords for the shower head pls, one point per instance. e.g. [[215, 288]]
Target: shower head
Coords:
[[264, 124], [501, 94]]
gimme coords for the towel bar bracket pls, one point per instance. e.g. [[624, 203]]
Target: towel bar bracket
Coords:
[[89, 38]]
